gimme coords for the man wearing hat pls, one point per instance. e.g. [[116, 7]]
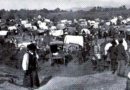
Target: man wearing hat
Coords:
[[30, 66], [113, 56], [122, 58]]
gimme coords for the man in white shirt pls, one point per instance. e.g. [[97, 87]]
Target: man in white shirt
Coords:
[[30, 66]]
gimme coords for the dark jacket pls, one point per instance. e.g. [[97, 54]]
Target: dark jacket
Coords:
[[112, 53], [121, 53], [33, 64], [31, 78]]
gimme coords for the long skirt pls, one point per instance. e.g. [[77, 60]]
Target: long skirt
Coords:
[[121, 68], [31, 79]]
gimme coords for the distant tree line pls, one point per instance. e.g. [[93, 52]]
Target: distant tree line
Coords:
[[58, 14], [26, 14], [98, 8]]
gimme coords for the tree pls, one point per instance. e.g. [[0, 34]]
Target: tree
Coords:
[[123, 7], [2, 12], [57, 10], [93, 9]]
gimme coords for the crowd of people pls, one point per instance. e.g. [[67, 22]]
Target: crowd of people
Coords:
[[119, 58], [94, 35]]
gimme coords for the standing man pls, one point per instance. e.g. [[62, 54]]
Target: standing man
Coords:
[[113, 56], [122, 59], [30, 66]]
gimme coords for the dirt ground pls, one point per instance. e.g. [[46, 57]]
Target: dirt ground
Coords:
[[74, 76]]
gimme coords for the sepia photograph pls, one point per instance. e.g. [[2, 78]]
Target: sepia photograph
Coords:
[[64, 44]]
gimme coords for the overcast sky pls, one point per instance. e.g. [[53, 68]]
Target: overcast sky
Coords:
[[63, 4]]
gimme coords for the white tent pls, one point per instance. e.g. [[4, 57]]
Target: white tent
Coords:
[[39, 17], [24, 22], [3, 33], [39, 22], [91, 22], [43, 25], [69, 22], [41, 31], [124, 21], [74, 39], [60, 26], [47, 20], [75, 21], [95, 25], [108, 23], [128, 19], [64, 21], [34, 27], [84, 24], [12, 28], [114, 20], [82, 20], [85, 30], [53, 27], [28, 25], [56, 32]]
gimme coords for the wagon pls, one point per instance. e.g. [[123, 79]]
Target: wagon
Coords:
[[74, 45], [57, 55]]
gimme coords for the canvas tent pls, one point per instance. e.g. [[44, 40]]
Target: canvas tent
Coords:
[[3, 33], [74, 39], [61, 26], [56, 32]]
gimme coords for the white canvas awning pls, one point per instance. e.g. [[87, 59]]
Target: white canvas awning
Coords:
[[56, 32], [3, 33], [53, 27], [24, 22], [40, 31], [47, 20], [74, 39], [43, 26], [108, 23], [61, 26], [12, 28], [28, 25]]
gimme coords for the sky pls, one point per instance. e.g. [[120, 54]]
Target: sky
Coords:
[[63, 4]]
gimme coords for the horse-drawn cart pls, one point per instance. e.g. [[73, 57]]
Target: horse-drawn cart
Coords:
[[74, 45], [57, 55]]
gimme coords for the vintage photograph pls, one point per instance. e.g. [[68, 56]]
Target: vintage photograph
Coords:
[[64, 45]]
